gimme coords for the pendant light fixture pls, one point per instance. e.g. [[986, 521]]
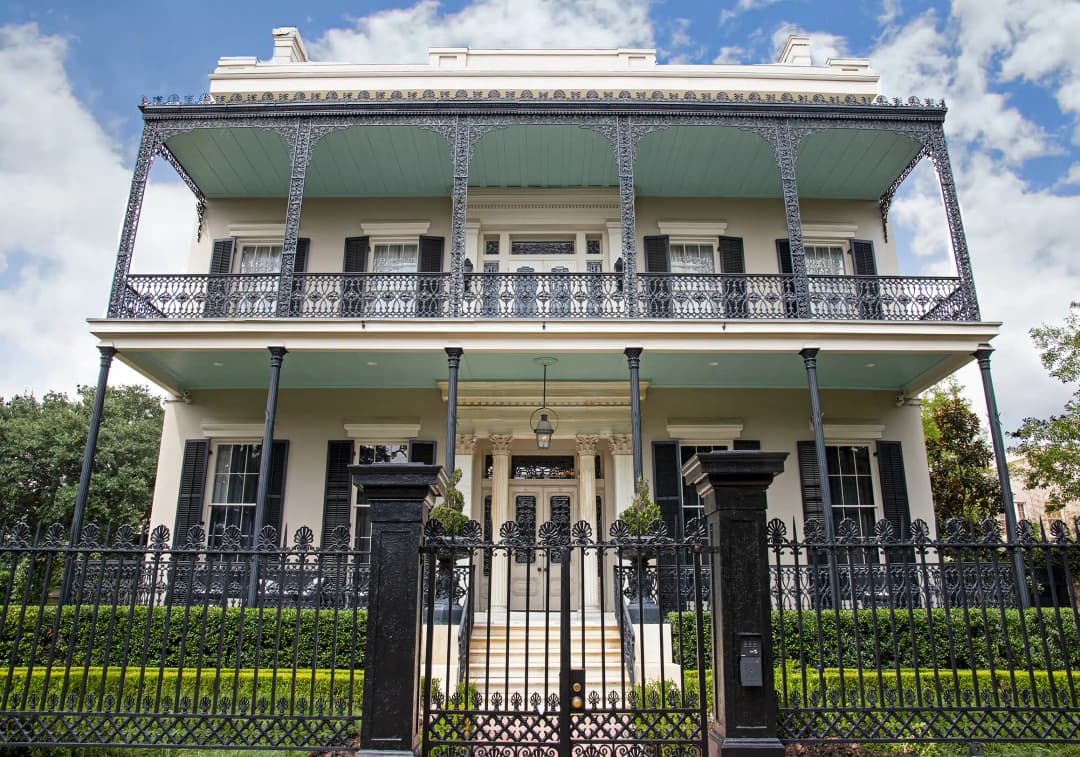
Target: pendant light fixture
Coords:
[[544, 420]]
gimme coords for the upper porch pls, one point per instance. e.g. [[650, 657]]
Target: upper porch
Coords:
[[687, 202]]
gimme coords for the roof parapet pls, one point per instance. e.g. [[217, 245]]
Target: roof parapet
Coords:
[[289, 46]]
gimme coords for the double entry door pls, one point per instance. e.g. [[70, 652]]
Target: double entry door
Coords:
[[535, 574]]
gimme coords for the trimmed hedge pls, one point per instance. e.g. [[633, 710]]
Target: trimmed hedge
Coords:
[[231, 708], [185, 637], [908, 639]]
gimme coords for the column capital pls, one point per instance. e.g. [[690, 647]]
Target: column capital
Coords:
[[809, 356], [621, 444], [453, 354], [277, 353], [983, 355], [500, 443], [633, 354], [466, 443], [107, 353], [586, 443]]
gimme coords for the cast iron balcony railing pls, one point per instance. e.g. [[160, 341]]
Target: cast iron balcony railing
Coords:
[[541, 296]]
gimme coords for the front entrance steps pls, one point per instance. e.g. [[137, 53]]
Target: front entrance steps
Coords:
[[521, 652]]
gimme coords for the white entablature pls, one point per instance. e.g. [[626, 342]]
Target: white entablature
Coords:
[[454, 69]]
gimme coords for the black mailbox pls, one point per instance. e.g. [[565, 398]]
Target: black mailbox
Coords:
[[750, 673]]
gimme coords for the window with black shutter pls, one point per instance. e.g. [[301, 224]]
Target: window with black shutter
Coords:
[[352, 287], [733, 261], [192, 495], [337, 496], [787, 270], [868, 290], [429, 295], [658, 288], [894, 496], [217, 284]]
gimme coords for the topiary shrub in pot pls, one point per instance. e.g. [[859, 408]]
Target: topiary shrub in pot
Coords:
[[452, 520]]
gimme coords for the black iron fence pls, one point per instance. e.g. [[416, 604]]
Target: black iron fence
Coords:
[[547, 296], [904, 637], [129, 639]]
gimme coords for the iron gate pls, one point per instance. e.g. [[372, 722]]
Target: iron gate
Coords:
[[551, 642]]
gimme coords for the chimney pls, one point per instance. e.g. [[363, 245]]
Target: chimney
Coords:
[[288, 46]]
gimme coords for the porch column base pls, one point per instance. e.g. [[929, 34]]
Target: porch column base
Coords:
[[720, 746]]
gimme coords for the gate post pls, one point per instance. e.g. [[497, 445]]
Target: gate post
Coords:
[[400, 496], [732, 486]]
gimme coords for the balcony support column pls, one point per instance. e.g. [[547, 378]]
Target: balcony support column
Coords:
[[624, 158], [301, 156], [939, 154], [453, 360], [982, 355], [787, 156], [633, 362], [462, 145], [148, 147], [809, 356], [83, 493], [277, 356]]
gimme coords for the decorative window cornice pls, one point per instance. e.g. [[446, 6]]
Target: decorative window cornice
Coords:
[[383, 429], [829, 231], [704, 431], [858, 429], [692, 228], [233, 429], [395, 228]]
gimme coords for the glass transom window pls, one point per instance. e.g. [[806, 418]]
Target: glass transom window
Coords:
[[234, 489], [260, 258], [692, 258], [400, 257], [824, 260]]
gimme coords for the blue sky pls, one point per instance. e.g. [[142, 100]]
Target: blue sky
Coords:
[[75, 71]]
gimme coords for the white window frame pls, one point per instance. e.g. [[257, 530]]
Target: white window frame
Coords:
[[209, 504], [830, 243], [711, 242], [252, 298], [375, 242], [728, 444], [875, 494]]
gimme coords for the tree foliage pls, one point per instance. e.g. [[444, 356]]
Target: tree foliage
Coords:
[[959, 458], [42, 442], [1051, 446]]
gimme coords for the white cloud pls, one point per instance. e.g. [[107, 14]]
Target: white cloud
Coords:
[[1020, 237], [890, 11], [404, 34], [730, 54], [63, 187], [742, 6], [1072, 178]]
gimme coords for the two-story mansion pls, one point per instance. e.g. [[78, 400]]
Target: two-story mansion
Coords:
[[406, 262]]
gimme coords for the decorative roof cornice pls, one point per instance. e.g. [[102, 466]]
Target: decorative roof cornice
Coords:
[[531, 98]]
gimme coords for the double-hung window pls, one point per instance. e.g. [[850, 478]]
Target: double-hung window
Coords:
[[233, 492], [394, 294], [258, 294], [851, 485], [824, 259], [692, 506], [692, 257], [391, 452]]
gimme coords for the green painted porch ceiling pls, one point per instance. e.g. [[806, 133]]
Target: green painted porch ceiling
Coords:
[[683, 161], [194, 370]]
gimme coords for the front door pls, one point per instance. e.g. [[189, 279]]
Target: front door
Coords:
[[534, 573]]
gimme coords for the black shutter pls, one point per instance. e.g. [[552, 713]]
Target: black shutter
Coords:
[[733, 261], [667, 492], [275, 494], [658, 288], [337, 496], [217, 286], [422, 452], [869, 292], [783, 256], [296, 302], [189, 503], [429, 292], [658, 254], [894, 497], [747, 444], [352, 287], [810, 481]]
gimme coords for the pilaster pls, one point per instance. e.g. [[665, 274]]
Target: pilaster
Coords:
[[500, 513]]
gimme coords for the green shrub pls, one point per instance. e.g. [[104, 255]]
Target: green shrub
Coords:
[[229, 707], [185, 637], [906, 639]]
